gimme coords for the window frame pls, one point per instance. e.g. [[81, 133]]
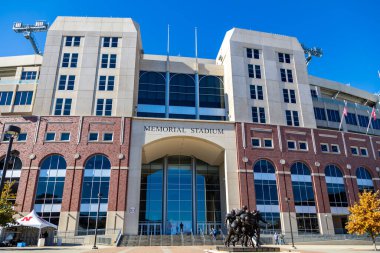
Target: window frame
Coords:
[[338, 148], [326, 145], [271, 142], [366, 151], [354, 148], [22, 133], [303, 142], [295, 145], [103, 135], [46, 135], [60, 136], [89, 136], [256, 139]]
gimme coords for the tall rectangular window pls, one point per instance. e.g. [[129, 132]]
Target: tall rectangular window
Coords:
[[104, 107], [254, 71], [23, 97], [110, 41], [66, 82], [106, 82], [351, 119], [319, 113], [28, 75], [108, 61], [70, 60], [256, 92], [284, 57], [286, 75], [285, 93], [72, 41], [289, 96], [6, 97], [253, 53], [62, 106], [258, 115], [292, 118], [333, 115]]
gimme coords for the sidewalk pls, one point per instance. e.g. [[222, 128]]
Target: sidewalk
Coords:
[[190, 249]]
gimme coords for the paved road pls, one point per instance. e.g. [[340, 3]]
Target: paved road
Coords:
[[189, 249]]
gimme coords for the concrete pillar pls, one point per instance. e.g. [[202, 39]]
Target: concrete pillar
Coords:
[[285, 224], [326, 224]]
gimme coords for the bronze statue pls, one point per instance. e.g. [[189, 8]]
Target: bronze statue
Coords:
[[243, 226]]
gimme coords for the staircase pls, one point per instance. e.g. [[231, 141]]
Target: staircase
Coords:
[[168, 240]]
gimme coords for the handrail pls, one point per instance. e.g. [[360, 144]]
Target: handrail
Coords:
[[118, 238]]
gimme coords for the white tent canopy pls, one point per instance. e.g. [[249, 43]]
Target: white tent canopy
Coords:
[[35, 221]]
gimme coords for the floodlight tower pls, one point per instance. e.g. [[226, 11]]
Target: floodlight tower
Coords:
[[313, 51], [28, 30]]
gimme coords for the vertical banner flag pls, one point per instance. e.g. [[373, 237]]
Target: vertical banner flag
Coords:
[[344, 114]]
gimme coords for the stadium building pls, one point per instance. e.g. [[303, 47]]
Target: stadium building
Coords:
[[169, 140]]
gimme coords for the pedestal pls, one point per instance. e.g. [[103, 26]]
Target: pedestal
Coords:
[[247, 249]]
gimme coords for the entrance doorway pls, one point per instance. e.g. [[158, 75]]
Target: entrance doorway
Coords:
[[179, 194]]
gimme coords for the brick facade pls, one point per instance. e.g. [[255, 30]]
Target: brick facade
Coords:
[[75, 152], [313, 157]]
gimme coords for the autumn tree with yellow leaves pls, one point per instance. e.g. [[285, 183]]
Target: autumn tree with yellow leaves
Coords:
[[6, 207], [365, 216]]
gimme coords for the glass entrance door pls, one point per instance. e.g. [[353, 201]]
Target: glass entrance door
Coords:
[[179, 195]]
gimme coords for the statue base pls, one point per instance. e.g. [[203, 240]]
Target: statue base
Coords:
[[247, 249]]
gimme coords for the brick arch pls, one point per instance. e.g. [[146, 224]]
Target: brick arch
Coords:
[[266, 159], [92, 155], [40, 161], [370, 171], [300, 161], [337, 166]]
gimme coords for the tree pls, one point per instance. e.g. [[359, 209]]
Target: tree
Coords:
[[6, 207], [365, 216]]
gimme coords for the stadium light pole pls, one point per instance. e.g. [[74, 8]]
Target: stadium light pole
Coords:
[[11, 132]]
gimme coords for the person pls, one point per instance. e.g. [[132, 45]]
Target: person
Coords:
[[275, 237], [181, 227], [45, 235], [282, 239], [213, 233]]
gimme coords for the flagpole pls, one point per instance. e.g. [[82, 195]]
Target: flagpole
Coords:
[[343, 114], [370, 118]]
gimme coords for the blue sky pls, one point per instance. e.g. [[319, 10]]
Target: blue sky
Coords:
[[348, 31]]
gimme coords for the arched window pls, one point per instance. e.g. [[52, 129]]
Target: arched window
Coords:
[[335, 186], [96, 180], [182, 90], [211, 92], [50, 188], [364, 180], [12, 175], [307, 221], [266, 192], [151, 88]]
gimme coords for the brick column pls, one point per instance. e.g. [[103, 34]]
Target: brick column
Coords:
[[285, 190], [26, 190], [322, 204], [351, 193], [69, 216], [247, 189], [117, 199]]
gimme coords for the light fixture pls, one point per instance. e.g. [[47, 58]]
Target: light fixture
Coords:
[[348, 166], [317, 164], [282, 161], [14, 131], [245, 159]]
